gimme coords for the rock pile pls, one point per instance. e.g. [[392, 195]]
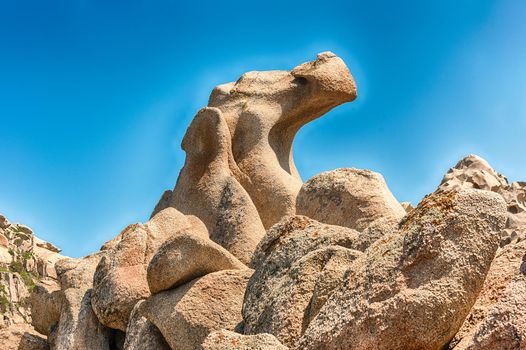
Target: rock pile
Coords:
[[242, 255], [25, 260]]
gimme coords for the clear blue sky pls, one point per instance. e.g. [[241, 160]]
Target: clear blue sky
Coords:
[[95, 96]]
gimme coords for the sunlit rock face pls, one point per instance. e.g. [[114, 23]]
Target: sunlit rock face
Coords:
[[242, 254], [25, 260]]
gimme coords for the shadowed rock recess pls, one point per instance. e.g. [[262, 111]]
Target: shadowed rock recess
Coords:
[[242, 254]]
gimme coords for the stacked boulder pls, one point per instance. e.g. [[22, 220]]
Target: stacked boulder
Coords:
[[197, 287], [501, 289], [242, 255], [412, 289]]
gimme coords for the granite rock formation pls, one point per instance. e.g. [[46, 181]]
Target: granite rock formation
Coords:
[[352, 198], [242, 255], [186, 257], [228, 340], [187, 314], [25, 262], [475, 172], [207, 188], [413, 289], [141, 334], [120, 280]]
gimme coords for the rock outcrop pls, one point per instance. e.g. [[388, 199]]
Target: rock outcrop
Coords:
[[185, 257], [187, 314], [21, 337], [352, 198], [227, 340], [297, 264], [78, 327], [505, 267], [264, 111], [504, 327], [285, 302], [45, 302], [207, 188], [141, 334], [413, 289], [24, 261], [475, 172], [242, 255], [120, 279]]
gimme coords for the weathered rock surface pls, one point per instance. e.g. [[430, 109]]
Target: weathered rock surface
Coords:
[[352, 198], [187, 314], [163, 203], [45, 303], [505, 266], [342, 266], [475, 172], [295, 236], [78, 327], [413, 289], [504, 328], [120, 279], [283, 303], [264, 111], [297, 263], [24, 261], [208, 189], [227, 340], [21, 337], [186, 257], [141, 334]]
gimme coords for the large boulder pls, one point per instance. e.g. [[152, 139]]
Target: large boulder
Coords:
[[412, 289], [45, 303], [352, 198], [187, 314], [185, 257], [295, 236], [120, 279], [208, 189], [504, 328], [141, 334], [264, 111], [21, 337], [228, 340], [283, 302], [297, 264], [506, 265], [78, 327]]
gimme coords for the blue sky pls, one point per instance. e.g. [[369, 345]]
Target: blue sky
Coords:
[[95, 96]]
